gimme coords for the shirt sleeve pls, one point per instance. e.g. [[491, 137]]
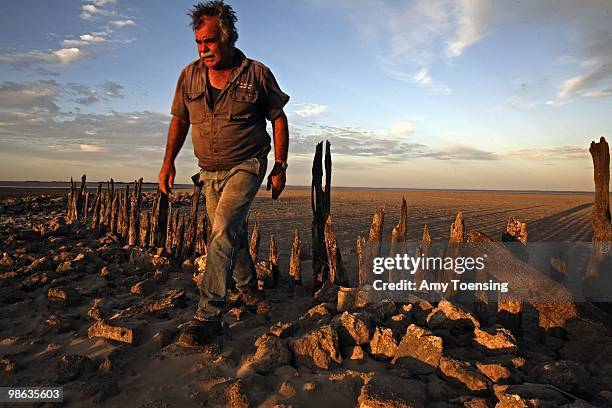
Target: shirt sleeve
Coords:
[[179, 108], [273, 98]]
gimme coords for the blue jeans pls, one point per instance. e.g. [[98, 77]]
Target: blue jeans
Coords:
[[229, 195]]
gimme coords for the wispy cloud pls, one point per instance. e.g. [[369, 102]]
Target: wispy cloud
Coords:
[[61, 56], [123, 23], [410, 36], [548, 153], [307, 110]]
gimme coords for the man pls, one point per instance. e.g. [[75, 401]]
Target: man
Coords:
[[226, 99]]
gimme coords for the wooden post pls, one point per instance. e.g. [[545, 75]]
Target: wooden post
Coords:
[[178, 236], [110, 187], [457, 230], [273, 258], [337, 272], [363, 269], [144, 229], [134, 213], [254, 243], [600, 217], [376, 229], [85, 213], [295, 269], [114, 213], [169, 228], [95, 218], [190, 234], [516, 231], [201, 238], [125, 212], [320, 210]]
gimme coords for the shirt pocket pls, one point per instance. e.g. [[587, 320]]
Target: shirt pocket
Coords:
[[244, 104], [196, 104]]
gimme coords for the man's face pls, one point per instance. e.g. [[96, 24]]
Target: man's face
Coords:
[[211, 49]]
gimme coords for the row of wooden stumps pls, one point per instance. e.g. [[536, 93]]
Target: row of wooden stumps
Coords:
[[120, 212]]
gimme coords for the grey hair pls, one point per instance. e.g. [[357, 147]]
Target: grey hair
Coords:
[[224, 12]]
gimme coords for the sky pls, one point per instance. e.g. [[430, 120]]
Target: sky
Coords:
[[463, 94]]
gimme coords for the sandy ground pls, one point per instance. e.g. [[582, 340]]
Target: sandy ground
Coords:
[[35, 334]]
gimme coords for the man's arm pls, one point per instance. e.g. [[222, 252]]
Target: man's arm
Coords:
[[177, 132], [277, 179]]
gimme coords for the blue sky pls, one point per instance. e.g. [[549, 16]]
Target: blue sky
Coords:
[[429, 94]]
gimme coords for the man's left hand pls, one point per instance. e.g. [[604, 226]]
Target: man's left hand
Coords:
[[276, 181]]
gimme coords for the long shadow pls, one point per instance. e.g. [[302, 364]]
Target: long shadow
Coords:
[[552, 226]]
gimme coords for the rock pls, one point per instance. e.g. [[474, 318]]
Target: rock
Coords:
[[237, 312], [54, 227], [463, 373], [64, 266], [71, 367], [7, 262], [286, 390], [123, 334], [528, 395], [448, 316], [282, 330], [271, 353], [495, 371], [398, 323], [420, 310], [265, 275], [309, 386], [106, 273], [321, 310], [144, 288], [382, 310], [419, 350], [36, 281], [502, 342], [95, 311], [40, 264], [354, 353], [230, 393], [63, 296], [353, 329], [570, 376], [383, 344], [317, 348], [328, 293], [438, 389], [382, 391], [169, 300], [9, 364], [139, 258]]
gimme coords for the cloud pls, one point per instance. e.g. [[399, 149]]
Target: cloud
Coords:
[[92, 10], [91, 148], [422, 78], [123, 23], [112, 89], [414, 35], [460, 152], [307, 110], [472, 25], [548, 153], [29, 97], [61, 56], [86, 39]]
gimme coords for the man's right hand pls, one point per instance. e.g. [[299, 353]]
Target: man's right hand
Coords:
[[166, 177]]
